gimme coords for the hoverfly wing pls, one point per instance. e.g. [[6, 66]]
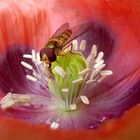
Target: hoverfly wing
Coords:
[[78, 31], [60, 30]]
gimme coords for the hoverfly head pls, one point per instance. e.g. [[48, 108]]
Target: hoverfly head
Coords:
[[43, 56]]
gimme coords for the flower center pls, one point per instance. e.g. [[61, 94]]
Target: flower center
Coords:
[[65, 82]]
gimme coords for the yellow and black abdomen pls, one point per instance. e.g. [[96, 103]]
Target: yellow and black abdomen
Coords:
[[59, 41], [66, 34], [63, 38]]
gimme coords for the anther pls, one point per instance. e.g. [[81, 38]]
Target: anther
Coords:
[[73, 107], [33, 55], [106, 72], [94, 50], [75, 45], [84, 99], [27, 56], [83, 72], [96, 71], [100, 68], [38, 58], [26, 65], [77, 80], [83, 45], [89, 82], [54, 125], [101, 78], [98, 64], [31, 78], [99, 57]]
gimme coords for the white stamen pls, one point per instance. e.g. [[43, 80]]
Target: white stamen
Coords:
[[26, 65], [31, 78], [89, 59], [54, 125], [75, 45], [83, 45], [99, 57], [11, 100], [93, 74], [73, 107], [96, 71], [94, 50], [101, 78], [36, 75], [27, 56], [38, 58], [33, 55], [106, 72], [90, 82], [83, 72], [84, 99], [65, 90], [77, 80], [100, 68], [60, 71], [98, 64]]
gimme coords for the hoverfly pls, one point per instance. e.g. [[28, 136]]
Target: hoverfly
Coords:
[[61, 40]]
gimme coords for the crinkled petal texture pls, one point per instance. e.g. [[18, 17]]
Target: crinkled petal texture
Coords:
[[26, 23]]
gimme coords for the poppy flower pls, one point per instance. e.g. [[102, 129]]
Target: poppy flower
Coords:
[[115, 34]]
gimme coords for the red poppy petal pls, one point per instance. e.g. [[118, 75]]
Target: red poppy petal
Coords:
[[23, 22], [123, 19], [125, 128]]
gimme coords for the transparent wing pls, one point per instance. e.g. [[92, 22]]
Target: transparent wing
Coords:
[[78, 31], [60, 30]]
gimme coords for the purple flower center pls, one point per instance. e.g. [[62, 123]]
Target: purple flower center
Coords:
[[29, 97], [60, 100]]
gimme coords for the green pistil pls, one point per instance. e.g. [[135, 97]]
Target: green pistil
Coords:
[[68, 84]]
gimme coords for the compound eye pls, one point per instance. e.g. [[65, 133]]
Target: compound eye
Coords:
[[43, 54]]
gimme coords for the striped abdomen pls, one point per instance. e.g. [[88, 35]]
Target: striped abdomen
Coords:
[[59, 41]]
